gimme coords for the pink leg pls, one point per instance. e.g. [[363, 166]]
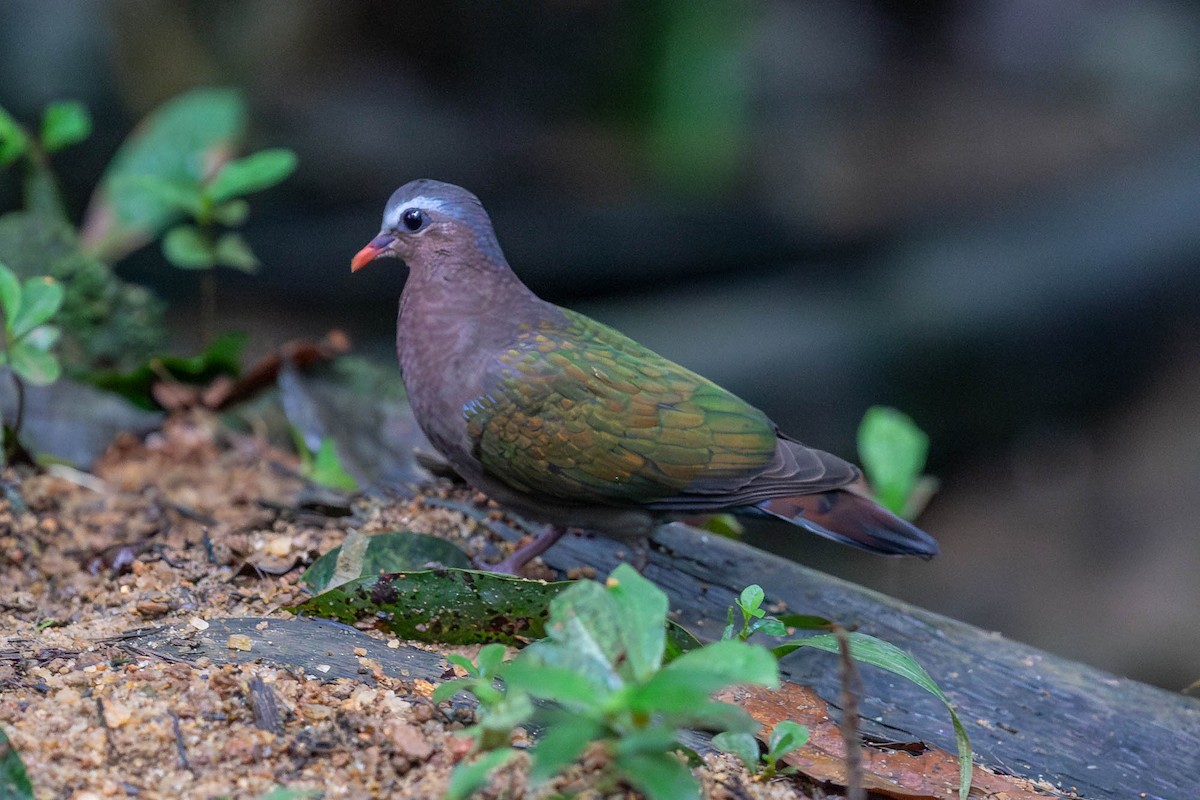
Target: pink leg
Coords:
[[523, 555]]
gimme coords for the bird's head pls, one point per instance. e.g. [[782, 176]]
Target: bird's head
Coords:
[[427, 220]]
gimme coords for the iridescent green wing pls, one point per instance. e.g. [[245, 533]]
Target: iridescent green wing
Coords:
[[579, 412]]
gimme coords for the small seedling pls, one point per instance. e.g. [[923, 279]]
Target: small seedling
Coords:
[[601, 672], [63, 124], [500, 710], [754, 617], [215, 203], [217, 200], [28, 338], [785, 738]]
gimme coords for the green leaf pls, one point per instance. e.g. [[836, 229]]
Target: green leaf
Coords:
[[742, 745], [870, 650], [105, 320], [185, 247], [34, 365], [642, 608], [251, 174], [387, 552], [328, 471], [64, 124], [180, 141], [43, 337], [41, 298], [455, 606], [893, 451], [178, 195], [470, 778], [560, 745], [448, 689], [10, 294], [568, 687], [13, 140], [574, 650], [489, 659], [660, 776], [751, 600], [727, 525], [786, 737], [232, 214], [232, 251], [14, 782], [717, 665], [503, 711], [679, 641], [768, 626], [585, 616], [805, 622]]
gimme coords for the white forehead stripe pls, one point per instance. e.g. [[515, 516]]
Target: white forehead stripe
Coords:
[[391, 216]]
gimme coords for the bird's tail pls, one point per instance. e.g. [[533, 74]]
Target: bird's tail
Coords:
[[849, 518]]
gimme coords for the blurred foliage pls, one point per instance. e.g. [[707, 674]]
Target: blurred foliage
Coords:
[[180, 144], [28, 344], [223, 356], [323, 466], [217, 201], [893, 452], [176, 165], [699, 119], [29, 339], [107, 323], [14, 781]]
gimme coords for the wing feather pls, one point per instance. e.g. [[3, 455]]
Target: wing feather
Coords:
[[580, 413]]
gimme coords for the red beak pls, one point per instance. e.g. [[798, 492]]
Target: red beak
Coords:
[[376, 248]]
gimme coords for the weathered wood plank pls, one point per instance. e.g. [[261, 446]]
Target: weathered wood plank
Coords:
[[1029, 713], [322, 648]]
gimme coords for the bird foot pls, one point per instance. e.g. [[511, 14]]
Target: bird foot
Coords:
[[526, 553]]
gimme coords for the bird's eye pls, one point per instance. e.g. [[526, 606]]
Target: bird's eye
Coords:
[[413, 219]]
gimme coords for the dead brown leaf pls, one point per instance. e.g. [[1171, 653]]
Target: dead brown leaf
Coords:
[[930, 774]]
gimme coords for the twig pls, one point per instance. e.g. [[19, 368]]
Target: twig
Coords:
[[209, 552], [851, 690], [264, 706], [108, 736], [180, 750]]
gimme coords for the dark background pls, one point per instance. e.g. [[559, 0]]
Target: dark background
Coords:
[[984, 213]]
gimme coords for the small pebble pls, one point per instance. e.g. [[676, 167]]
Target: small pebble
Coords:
[[240, 641]]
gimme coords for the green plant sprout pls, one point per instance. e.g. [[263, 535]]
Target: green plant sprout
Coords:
[[501, 711], [28, 339], [215, 203], [216, 200], [64, 123], [893, 450], [785, 738], [601, 671]]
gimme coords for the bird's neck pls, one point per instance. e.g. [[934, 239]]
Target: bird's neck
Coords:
[[451, 314], [461, 289]]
